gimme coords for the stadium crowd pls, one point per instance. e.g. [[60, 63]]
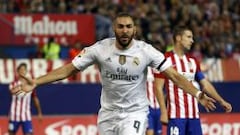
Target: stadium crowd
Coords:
[[215, 23]]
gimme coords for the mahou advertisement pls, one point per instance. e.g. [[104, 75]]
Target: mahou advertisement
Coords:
[[29, 29]]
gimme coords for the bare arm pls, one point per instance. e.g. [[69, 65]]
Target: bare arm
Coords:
[[57, 74], [180, 81], [38, 107], [185, 85], [210, 90], [158, 86]]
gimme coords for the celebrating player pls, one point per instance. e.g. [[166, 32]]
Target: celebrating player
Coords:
[[122, 63]]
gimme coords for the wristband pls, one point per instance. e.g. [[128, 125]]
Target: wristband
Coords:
[[198, 94]]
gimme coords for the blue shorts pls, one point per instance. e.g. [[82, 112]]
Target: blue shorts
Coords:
[[154, 122], [26, 126], [184, 127]]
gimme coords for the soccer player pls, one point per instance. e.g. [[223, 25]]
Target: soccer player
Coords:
[[183, 109], [156, 115], [20, 110], [122, 63]]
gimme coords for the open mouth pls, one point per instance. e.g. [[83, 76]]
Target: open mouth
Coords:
[[124, 38]]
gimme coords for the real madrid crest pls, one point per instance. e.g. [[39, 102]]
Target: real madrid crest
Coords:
[[136, 61], [122, 59]]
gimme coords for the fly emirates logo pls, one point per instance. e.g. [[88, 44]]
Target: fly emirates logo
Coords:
[[122, 74], [65, 128], [25, 25]]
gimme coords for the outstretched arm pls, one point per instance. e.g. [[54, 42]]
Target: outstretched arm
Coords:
[[184, 84], [55, 75], [180, 81]]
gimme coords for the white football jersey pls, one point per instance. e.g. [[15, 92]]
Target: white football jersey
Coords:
[[123, 72]]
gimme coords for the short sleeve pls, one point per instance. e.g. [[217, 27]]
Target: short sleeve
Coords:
[[158, 59], [85, 58]]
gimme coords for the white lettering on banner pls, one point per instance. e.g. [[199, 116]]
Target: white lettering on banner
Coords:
[[79, 130], [57, 64], [214, 72], [24, 25], [6, 71], [62, 128], [51, 129], [41, 67], [38, 67], [221, 129]]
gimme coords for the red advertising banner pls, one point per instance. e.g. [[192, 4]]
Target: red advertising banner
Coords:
[[220, 124], [212, 124], [17, 29], [58, 125], [223, 70]]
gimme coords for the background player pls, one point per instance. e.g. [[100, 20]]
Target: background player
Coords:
[[20, 110], [183, 109], [123, 63]]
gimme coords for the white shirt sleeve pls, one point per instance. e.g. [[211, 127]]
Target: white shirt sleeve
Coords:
[[85, 58], [158, 59]]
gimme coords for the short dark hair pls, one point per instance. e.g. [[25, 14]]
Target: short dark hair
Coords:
[[21, 65], [178, 30], [124, 14]]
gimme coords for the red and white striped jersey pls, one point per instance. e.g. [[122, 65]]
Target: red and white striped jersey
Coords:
[[20, 109], [150, 89], [179, 103]]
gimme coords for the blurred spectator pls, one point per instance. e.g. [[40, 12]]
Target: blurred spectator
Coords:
[[75, 50], [236, 52], [37, 6], [51, 50], [196, 52]]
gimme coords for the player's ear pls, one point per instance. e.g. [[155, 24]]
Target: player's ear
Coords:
[[134, 30], [178, 37]]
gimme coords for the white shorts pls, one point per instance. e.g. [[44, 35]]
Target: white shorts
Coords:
[[122, 123]]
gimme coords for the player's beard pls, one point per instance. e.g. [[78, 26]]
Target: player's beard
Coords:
[[124, 40]]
